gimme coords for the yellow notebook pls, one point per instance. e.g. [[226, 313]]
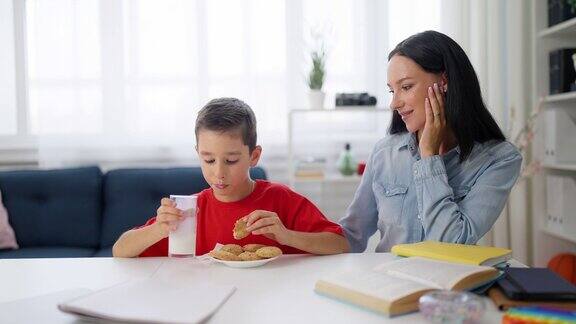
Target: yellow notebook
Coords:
[[460, 253]]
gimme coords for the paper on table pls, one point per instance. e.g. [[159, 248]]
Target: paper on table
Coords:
[[39, 309], [152, 300]]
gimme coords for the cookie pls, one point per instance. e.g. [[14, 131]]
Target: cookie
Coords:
[[268, 252], [226, 256], [252, 247], [249, 256], [240, 231], [232, 248]]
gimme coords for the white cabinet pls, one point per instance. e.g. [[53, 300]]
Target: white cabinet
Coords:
[[553, 191], [320, 135], [561, 205], [560, 136]]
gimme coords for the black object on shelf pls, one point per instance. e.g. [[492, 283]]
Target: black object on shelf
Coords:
[[559, 11], [562, 73], [355, 99]]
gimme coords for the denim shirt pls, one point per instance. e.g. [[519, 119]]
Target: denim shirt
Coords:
[[411, 199]]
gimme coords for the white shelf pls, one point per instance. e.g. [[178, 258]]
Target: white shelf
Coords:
[[343, 109], [545, 39], [336, 178], [560, 166], [563, 29], [564, 236], [561, 98]]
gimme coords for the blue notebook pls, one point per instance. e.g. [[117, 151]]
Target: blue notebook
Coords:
[[537, 284]]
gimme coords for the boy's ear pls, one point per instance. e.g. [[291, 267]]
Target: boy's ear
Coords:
[[255, 156]]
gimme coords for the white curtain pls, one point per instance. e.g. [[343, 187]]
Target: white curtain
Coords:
[[496, 36], [114, 82], [110, 80], [8, 121]]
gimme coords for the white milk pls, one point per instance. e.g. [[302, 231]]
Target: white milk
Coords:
[[182, 241]]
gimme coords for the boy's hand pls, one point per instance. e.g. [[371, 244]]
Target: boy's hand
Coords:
[[167, 216], [262, 222]]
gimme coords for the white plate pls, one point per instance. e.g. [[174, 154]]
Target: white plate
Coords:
[[245, 264]]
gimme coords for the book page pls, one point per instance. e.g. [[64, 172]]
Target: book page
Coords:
[[434, 273], [376, 284]]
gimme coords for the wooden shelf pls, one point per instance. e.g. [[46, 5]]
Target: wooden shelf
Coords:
[[563, 29], [560, 166], [564, 236], [561, 98]]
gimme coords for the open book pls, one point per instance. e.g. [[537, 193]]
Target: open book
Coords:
[[151, 300], [394, 287], [453, 252]]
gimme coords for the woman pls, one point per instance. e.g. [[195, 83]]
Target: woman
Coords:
[[445, 171]]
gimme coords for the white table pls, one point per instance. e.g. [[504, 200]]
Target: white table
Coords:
[[281, 291]]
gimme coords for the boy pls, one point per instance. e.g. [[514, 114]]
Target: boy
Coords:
[[275, 215]]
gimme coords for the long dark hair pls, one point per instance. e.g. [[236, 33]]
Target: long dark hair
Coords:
[[466, 114]]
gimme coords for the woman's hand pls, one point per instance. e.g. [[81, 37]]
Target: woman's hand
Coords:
[[267, 223], [435, 127]]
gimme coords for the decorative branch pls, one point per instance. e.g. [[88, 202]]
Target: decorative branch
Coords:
[[524, 138]]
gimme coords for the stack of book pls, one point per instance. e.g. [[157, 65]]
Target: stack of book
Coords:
[[395, 287], [310, 168], [533, 287], [453, 252]]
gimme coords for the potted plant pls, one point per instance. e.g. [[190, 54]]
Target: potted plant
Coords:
[[316, 77]]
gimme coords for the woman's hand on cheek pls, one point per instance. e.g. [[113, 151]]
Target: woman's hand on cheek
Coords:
[[435, 126]]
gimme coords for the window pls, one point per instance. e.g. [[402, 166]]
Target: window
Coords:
[[8, 121], [140, 69]]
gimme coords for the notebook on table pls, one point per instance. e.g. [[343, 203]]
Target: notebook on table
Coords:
[[540, 284], [151, 301], [453, 252]]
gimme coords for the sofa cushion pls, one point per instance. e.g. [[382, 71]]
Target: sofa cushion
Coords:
[[132, 196], [7, 238], [105, 252], [47, 252], [60, 208]]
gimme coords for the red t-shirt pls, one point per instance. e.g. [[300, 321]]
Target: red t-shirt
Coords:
[[216, 219]]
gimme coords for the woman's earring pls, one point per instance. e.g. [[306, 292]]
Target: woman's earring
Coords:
[[445, 88]]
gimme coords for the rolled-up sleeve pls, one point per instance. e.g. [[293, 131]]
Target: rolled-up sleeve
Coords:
[[361, 217], [466, 221]]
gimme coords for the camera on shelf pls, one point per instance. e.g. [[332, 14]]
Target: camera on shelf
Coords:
[[355, 99]]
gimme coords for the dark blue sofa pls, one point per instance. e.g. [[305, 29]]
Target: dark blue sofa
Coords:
[[81, 212]]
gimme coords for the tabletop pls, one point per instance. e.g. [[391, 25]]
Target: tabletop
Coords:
[[281, 291]]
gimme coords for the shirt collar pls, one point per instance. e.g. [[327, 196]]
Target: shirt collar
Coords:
[[409, 141]]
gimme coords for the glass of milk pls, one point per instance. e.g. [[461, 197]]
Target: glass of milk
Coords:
[[182, 241]]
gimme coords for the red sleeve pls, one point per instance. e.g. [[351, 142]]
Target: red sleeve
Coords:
[[308, 218], [158, 249]]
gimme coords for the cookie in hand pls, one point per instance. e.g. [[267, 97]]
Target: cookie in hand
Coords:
[[240, 231]]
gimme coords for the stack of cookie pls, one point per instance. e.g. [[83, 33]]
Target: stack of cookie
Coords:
[[248, 252]]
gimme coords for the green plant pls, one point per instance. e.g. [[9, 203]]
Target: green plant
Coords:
[[318, 72], [572, 4]]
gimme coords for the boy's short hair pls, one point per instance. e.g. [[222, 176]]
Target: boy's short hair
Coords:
[[228, 114]]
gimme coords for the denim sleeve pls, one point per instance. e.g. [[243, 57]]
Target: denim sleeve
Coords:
[[468, 220], [361, 217]]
